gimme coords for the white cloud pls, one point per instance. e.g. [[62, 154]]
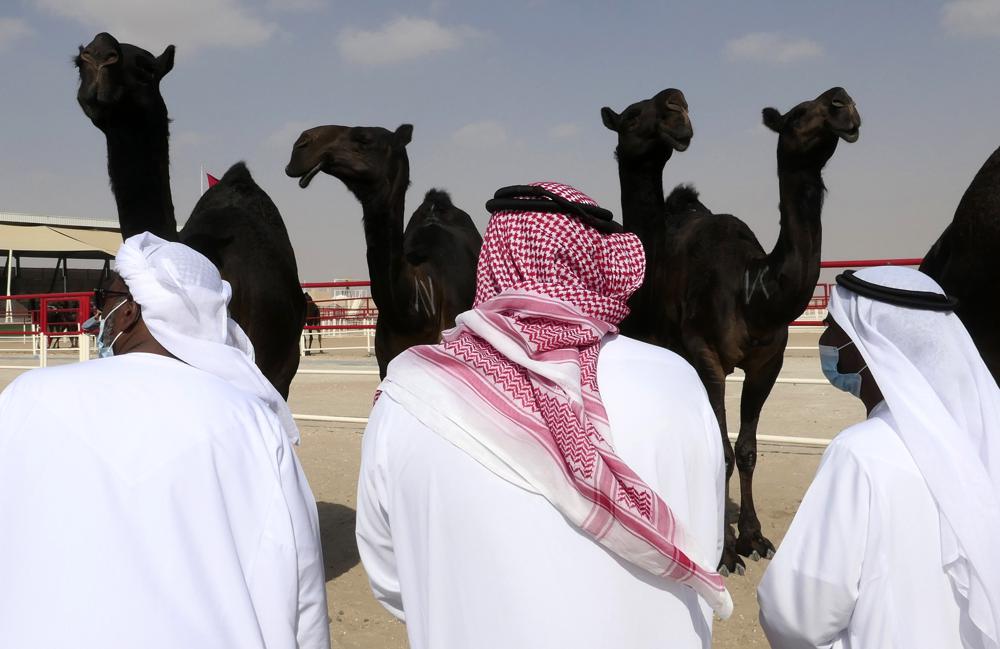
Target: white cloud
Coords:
[[481, 135], [972, 17], [402, 39], [154, 24], [768, 47], [564, 131], [12, 29]]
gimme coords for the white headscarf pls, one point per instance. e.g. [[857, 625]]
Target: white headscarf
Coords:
[[947, 409], [184, 304]]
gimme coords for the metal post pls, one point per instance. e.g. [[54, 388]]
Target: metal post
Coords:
[[10, 305], [43, 331], [84, 344]]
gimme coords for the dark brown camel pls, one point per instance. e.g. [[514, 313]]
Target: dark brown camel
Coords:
[[713, 294], [649, 131], [234, 224], [314, 318], [421, 278], [966, 261]]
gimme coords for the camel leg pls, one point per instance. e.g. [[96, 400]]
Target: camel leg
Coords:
[[760, 380], [706, 362]]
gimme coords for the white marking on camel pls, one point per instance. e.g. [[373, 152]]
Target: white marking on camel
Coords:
[[758, 283], [423, 296]]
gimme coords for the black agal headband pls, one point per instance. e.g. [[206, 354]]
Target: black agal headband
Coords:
[[531, 198], [922, 300]]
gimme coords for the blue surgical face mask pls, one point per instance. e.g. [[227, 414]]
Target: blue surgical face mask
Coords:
[[829, 358], [107, 350]]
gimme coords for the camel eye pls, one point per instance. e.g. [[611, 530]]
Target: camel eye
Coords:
[[837, 103]]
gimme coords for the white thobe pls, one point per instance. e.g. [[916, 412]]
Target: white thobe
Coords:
[[467, 559], [860, 566], [146, 503]]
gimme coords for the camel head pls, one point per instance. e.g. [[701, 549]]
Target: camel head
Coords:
[[361, 156], [809, 133], [120, 83], [654, 127]]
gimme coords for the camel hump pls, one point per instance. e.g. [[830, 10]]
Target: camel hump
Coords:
[[684, 198], [238, 176], [439, 199]]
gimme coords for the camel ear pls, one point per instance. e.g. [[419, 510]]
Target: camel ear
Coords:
[[773, 119], [404, 133], [610, 118], [165, 61]]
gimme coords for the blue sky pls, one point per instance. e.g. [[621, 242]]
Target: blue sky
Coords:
[[502, 93]]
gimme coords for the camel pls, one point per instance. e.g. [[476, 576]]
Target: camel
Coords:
[[235, 224], [964, 261], [421, 278], [649, 131], [314, 318], [717, 298]]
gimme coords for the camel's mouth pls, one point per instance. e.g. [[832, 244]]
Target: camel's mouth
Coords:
[[306, 179], [679, 144], [850, 135]]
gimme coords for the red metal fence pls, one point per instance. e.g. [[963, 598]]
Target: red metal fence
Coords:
[[348, 307], [821, 296]]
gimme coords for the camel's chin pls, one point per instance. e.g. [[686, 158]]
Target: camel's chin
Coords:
[[306, 179], [679, 145], [850, 137]]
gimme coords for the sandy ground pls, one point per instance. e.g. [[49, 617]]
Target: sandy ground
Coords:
[[330, 454]]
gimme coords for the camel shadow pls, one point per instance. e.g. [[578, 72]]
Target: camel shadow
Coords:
[[336, 528], [732, 511]]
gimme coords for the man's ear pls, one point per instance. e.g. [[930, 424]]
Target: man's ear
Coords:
[[130, 314]]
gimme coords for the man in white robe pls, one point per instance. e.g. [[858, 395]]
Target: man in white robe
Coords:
[[894, 542], [153, 498], [467, 550]]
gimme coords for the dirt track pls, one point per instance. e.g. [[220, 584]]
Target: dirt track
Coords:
[[330, 454]]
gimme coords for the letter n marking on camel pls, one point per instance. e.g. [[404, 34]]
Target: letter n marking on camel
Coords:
[[423, 296], [757, 284]]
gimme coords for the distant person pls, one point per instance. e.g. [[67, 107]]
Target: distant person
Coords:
[[894, 544], [506, 500], [152, 498]]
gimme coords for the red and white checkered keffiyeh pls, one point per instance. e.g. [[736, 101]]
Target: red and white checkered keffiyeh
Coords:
[[514, 384]]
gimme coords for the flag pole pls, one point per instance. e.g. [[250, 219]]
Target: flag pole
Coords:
[[201, 181]]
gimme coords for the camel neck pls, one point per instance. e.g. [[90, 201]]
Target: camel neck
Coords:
[[383, 224], [642, 196], [783, 285], [139, 168]]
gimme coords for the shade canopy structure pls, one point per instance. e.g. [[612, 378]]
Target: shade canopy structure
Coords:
[[49, 241], [32, 235], [54, 237]]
